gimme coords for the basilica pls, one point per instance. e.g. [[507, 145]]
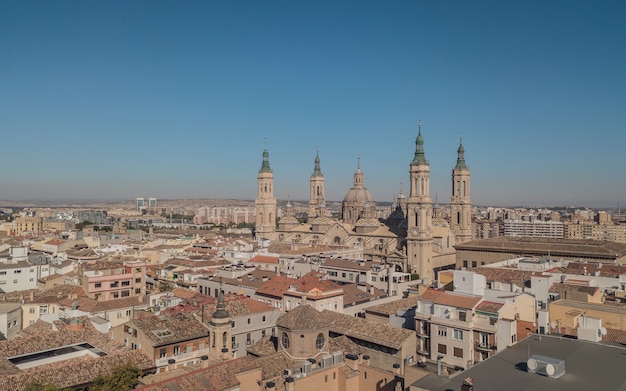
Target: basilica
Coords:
[[414, 236]]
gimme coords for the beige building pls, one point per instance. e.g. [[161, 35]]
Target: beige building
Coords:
[[28, 225], [487, 251]]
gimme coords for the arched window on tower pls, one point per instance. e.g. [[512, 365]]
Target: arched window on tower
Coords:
[[458, 218], [417, 219], [458, 188], [224, 339], [423, 191], [464, 189]]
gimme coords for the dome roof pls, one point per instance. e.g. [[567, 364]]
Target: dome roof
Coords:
[[288, 219], [358, 194], [367, 222]]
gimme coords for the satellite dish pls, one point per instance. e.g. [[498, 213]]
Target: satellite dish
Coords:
[[550, 370], [531, 364], [423, 359], [552, 325], [602, 330]]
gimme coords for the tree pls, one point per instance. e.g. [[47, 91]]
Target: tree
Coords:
[[35, 385], [123, 378]]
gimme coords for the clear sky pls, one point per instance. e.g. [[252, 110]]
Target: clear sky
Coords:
[[174, 99]]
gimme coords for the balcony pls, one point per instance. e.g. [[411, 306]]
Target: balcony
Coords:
[[487, 348]]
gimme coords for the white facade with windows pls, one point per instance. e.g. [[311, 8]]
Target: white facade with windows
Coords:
[[21, 276]]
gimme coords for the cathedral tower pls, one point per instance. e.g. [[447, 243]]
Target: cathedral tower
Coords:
[[419, 213], [265, 202], [316, 194], [461, 203]]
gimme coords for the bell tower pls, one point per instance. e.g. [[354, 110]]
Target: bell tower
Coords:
[[461, 203], [419, 213], [265, 202], [316, 193]]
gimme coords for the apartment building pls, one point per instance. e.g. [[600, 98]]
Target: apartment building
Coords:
[[172, 341], [21, 276], [113, 280]]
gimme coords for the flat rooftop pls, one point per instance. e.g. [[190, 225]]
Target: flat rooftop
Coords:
[[588, 366]]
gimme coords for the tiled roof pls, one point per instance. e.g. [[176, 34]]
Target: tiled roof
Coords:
[[264, 259], [555, 247], [303, 317], [354, 294], [218, 377], [347, 264], [276, 286], [560, 288], [367, 330], [95, 306], [67, 373], [238, 305], [165, 330], [506, 275], [344, 344], [489, 307], [393, 307], [451, 299], [601, 269]]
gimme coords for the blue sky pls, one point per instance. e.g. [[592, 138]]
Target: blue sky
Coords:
[[174, 99]]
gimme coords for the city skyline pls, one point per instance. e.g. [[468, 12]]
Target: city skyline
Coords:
[[178, 100]]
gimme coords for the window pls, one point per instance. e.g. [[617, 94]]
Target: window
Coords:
[[137, 291], [127, 313], [3, 273], [351, 277], [98, 285], [465, 264], [3, 282], [458, 334], [473, 263], [17, 271], [15, 281], [513, 338], [441, 348], [343, 275], [263, 318], [462, 316], [176, 350], [285, 340], [458, 352], [126, 283], [319, 341], [188, 348], [373, 279], [137, 280], [116, 295], [162, 352], [125, 293], [249, 320], [201, 346], [31, 310], [442, 331]]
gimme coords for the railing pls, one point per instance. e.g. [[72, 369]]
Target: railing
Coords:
[[482, 347]]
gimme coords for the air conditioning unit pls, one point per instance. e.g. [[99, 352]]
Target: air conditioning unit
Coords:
[[327, 361], [546, 366]]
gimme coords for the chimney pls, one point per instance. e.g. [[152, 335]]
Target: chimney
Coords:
[[270, 386], [171, 364], [396, 368], [353, 361], [290, 383], [366, 359], [204, 361]]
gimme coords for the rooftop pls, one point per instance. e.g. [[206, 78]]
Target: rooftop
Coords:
[[588, 366], [596, 249]]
